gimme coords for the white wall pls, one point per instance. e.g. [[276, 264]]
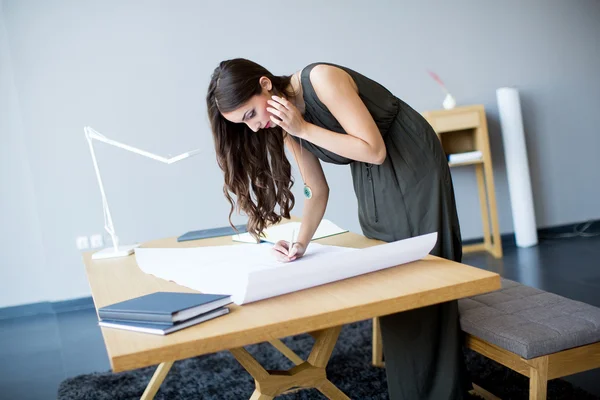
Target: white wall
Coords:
[[23, 272], [138, 72]]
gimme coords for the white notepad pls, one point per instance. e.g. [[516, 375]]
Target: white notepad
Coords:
[[284, 232]]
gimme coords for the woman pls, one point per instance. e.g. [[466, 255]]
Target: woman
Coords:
[[401, 180]]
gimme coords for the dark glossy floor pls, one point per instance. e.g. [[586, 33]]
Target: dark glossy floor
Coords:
[[37, 353]]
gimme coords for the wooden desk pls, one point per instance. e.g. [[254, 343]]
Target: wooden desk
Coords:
[[321, 311]]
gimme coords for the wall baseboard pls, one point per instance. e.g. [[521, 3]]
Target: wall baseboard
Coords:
[[508, 239], [46, 308], [57, 307]]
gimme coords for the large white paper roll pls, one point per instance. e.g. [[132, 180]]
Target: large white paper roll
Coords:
[[517, 167]]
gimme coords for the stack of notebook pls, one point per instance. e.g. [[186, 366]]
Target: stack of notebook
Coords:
[[162, 313]]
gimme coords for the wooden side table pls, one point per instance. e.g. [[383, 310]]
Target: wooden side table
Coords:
[[464, 129]]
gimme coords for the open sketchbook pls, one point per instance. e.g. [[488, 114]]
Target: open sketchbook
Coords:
[[250, 273], [284, 232]]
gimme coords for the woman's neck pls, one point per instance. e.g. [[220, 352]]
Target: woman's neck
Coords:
[[296, 88]]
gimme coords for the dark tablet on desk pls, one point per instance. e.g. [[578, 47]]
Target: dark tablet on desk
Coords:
[[213, 232]]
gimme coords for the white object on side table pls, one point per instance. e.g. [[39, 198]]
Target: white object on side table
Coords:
[[124, 250], [449, 102]]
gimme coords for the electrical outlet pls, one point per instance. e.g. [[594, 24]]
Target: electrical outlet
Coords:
[[83, 242], [96, 241]]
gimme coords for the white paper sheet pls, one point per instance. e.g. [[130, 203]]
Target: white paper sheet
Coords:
[[250, 273], [284, 232]]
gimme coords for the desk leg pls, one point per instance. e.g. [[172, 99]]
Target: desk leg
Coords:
[[377, 344], [159, 376], [308, 374]]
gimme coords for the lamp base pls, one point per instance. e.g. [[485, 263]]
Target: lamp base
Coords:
[[110, 252]]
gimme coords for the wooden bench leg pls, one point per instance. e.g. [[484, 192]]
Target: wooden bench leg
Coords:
[[538, 378], [377, 344]]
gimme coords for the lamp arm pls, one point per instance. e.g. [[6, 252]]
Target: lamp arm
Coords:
[[108, 222], [90, 135]]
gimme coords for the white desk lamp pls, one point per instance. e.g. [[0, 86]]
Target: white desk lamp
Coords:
[[125, 250]]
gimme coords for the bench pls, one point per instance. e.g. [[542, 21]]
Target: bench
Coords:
[[538, 334]]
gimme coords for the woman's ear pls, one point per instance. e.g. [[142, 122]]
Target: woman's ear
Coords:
[[265, 83]]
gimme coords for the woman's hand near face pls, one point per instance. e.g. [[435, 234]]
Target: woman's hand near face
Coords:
[[287, 116]]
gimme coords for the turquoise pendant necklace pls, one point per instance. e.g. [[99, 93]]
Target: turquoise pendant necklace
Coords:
[[307, 190]]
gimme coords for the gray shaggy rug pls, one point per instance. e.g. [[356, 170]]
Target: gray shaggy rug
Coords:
[[219, 376]]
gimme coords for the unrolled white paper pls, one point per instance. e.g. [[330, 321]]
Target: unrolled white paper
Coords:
[[249, 272]]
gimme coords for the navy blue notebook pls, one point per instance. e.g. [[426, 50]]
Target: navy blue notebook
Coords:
[[164, 307], [213, 232]]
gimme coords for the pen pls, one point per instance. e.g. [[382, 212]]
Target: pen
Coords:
[[291, 242]]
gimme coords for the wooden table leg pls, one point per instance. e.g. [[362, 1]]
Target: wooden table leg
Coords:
[[259, 396], [377, 344], [286, 351], [307, 374], [157, 379], [330, 391], [483, 204]]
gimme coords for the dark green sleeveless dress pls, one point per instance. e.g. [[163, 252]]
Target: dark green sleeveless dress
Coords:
[[410, 194]]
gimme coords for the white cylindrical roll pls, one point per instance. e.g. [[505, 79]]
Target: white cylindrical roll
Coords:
[[517, 167]]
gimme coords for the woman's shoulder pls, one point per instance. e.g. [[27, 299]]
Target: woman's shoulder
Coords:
[[323, 73], [321, 68]]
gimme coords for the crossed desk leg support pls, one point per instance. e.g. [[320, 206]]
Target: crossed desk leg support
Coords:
[[306, 374]]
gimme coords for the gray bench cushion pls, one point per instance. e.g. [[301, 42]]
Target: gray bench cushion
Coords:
[[529, 322]]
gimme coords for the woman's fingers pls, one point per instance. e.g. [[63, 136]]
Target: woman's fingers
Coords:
[[278, 122], [293, 251], [284, 102], [281, 246], [275, 104], [280, 251], [280, 256], [273, 111]]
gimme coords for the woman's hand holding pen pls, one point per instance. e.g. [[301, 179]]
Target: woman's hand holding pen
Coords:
[[286, 253]]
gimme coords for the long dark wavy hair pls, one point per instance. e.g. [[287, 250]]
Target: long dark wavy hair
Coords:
[[254, 164]]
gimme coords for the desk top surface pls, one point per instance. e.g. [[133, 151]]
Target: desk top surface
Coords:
[[421, 283]]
